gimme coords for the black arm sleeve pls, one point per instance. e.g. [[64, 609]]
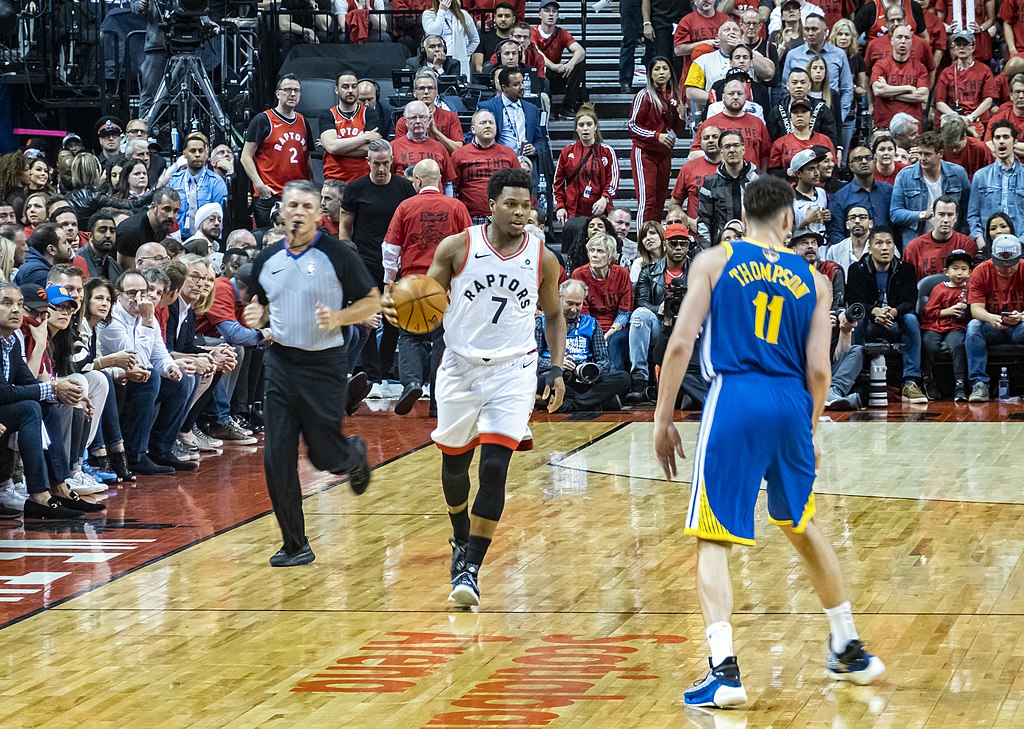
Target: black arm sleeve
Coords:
[[372, 119], [355, 280], [258, 129]]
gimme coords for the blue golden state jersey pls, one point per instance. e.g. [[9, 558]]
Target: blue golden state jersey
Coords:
[[761, 309]]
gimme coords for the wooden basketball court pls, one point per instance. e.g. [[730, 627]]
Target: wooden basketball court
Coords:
[[166, 614]]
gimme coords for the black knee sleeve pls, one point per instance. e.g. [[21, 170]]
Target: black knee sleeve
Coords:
[[455, 477], [490, 498]]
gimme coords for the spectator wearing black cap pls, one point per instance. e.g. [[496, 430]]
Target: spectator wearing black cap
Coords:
[[72, 143], [944, 324], [800, 138], [108, 133], [996, 298]]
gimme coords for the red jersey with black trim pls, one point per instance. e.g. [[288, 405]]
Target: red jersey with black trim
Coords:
[[473, 167], [757, 142], [972, 157], [420, 223], [595, 174], [691, 177], [929, 256], [785, 148], [284, 155], [554, 46], [909, 73], [407, 152], [942, 297], [964, 89], [881, 47], [447, 122], [341, 167]]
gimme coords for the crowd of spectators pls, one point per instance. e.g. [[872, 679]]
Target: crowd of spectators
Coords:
[[124, 274]]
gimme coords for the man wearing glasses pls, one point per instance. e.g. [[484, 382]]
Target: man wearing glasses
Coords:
[[863, 191], [276, 151], [138, 130], [444, 123], [1013, 113], [416, 144], [765, 58]]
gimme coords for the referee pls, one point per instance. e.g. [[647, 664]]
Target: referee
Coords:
[[300, 286]]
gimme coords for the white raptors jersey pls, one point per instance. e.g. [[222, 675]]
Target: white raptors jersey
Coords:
[[490, 318]]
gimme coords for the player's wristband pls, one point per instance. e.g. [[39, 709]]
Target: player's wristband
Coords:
[[555, 373]]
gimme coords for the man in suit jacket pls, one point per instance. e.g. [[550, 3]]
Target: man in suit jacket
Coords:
[[517, 120], [26, 406]]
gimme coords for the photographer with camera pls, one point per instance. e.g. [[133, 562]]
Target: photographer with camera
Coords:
[[887, 288], [590, 383]]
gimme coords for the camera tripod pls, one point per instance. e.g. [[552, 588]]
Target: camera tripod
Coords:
[[185, 74]]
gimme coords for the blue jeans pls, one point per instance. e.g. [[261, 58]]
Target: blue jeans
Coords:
[[644, 328], [907, 330], [631, 24], [618, 350], [979, 336], [42, 467], [355, 340], [153, 413]]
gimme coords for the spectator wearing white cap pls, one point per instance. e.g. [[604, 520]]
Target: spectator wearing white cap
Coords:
[[996, 297], [197, 184], [209, 226], [810, 203]]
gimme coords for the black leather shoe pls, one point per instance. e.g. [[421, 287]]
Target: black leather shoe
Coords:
[[77, 503], [8, 513], [53, 510], [282, 559], [146, 467], [173, 462], [359, 387], [412, 392], [359, 477]]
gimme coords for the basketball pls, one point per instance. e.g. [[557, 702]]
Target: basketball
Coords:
[[420, 302]]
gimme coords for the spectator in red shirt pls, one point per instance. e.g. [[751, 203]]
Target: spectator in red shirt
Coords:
[[984, 18], [886, 166], [420, 223], [996, 297], [757, 143], [1013, 113], [801, 138], [928, 252], [552, 42], [881, 47], [900, 83], [944, 326], [1011, 12], [960, 148], [966, 86], [444, 123], [610, 296], [417, 144], [330, 205], [937, 36], [474, 163], [693, 172], [587, 174], [694, 28]]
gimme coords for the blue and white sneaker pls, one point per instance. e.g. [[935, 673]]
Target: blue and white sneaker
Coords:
[[720, 688], [465, 591], [458, 564], [854, 664]]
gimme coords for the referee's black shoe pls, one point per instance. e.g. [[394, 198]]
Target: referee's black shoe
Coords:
[[412, 392], [360, 474], [282, 559]]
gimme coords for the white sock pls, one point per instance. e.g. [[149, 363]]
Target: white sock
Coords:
[[720, 639], [840, 621]]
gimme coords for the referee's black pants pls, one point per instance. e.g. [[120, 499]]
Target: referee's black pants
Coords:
[[305, 393]]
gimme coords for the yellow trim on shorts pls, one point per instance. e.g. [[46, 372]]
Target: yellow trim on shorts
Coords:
[[809, 511], [709, 527]]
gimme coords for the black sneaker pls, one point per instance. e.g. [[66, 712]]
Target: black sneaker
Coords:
[[77, 503], [282, 559], [854, 664], [53, 510], [465, 590], [960, 391], [931, 389], [458, 565], [359, 476], [359, 387], [412, 392], [8, 513], [145, 467], [638, 390], [172, 461]]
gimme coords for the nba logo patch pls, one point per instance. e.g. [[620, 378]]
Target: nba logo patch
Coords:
[[310, 268], [770, 254]]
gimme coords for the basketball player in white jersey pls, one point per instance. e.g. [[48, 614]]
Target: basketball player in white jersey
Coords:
[[487, 383]]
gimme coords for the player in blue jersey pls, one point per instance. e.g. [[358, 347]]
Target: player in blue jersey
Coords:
[[765, 349]]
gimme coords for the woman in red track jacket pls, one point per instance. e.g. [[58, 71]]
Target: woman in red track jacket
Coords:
[[587, 174], [654, 124]]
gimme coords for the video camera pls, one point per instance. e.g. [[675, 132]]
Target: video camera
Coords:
[[674, 294], [182, 24], [584, 372]]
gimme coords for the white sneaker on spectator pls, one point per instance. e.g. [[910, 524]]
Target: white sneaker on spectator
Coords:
[[83, 483], [203, 441], [10, 497], [238, 426], [21, 489], [184, 452], [393, 390], [376, 392]]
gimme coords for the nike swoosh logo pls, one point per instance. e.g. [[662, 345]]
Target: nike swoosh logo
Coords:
[[274, 273], [481, 255]]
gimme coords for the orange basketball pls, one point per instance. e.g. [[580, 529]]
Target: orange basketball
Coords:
[[420, 302]]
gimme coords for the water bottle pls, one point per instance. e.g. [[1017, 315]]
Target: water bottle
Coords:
[[542, 185], [174, 139], [878, 395], [1004, 384]]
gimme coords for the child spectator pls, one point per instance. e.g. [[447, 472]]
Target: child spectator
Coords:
[[944, 327]]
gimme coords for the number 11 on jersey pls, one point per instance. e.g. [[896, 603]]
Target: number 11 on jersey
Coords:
[[770, 310]]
